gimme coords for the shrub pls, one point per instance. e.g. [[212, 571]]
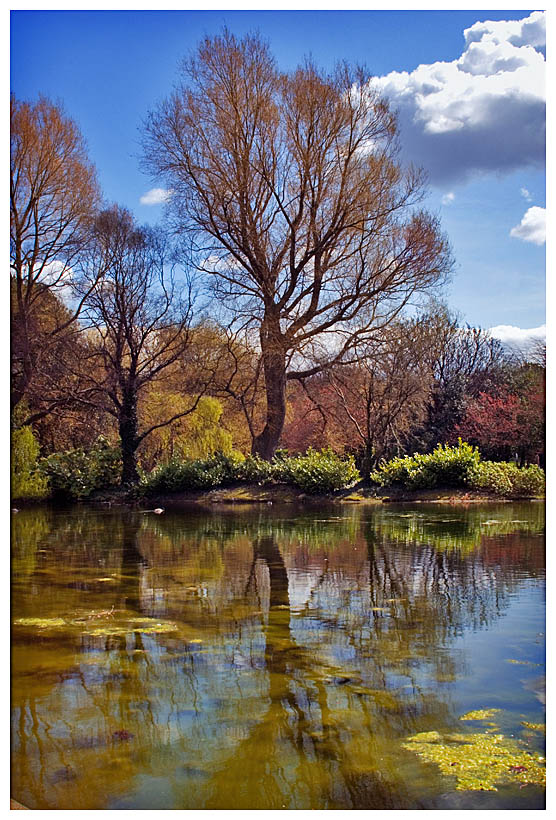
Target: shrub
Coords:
[[317, 472], [530, 481], [77, 473], [201, 474], [446, 466], [507, 479], [255, 469], [27, 482]]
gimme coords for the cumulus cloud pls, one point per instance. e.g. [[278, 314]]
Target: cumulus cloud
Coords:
[[484, 111], [526, 194], [532, 227], [156, 196], [447, 199], [519, 337]]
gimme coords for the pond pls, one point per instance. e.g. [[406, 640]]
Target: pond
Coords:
[[342, 657]]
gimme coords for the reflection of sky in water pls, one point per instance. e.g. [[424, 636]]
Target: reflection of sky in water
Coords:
[[294, 654]]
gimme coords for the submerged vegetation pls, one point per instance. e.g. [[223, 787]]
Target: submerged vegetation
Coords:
[[299, 639], [479, 761]]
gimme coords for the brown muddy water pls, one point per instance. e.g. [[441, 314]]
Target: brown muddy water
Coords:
[[279, 658]]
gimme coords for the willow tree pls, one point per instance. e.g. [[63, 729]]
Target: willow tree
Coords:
[[303, 215]]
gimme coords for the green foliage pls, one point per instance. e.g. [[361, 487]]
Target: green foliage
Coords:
[[77, 473], [446, 466], [197, 435], [460, 466], [254, 469], [27, 482], [201, 474], [317, 471], [507, 479], [203, 435]]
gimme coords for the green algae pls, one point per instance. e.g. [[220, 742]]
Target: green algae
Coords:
[[536, 727], [479, 762], [480, 714], [41, 623], [152, 628]]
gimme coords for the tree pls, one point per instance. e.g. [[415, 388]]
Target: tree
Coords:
[[197, 435], [379, 401], [301, 214], [137, 327], [53, 196], [509, 421], [465, 362]]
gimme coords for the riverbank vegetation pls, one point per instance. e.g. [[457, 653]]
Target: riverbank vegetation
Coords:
[[80, 474], [285, 324]]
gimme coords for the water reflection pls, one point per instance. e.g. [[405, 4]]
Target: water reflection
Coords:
[[254, 660]]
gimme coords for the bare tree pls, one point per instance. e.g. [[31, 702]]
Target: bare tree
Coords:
[[301, 213], [53, 196], [135, 324], [379, 401]]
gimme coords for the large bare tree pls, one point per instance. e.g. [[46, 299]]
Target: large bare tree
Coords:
[[53, 197], [136, 326], [301, 213]]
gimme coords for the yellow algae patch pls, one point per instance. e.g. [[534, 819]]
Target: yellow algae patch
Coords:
[[479, 762], [480, 714], [41, 623], [143, 625], [536, 727]]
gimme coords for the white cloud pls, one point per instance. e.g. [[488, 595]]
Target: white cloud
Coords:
[[56, 274], [518, 336], [532, 227], [526, 194], [447, 199], [484, 111], [156, 196]]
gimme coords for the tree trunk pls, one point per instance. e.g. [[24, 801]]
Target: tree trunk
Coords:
[[274, 361], [129, 440]]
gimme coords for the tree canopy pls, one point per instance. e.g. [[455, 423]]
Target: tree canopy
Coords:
[[290, 187]]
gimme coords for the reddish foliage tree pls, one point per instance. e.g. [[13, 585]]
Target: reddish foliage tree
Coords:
[[507, 425]]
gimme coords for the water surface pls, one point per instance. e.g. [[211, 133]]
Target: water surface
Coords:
[[273, 658]]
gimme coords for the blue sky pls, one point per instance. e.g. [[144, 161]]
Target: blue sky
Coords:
[[471, 112]]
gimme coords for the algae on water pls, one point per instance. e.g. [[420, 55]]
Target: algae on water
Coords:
[[479, 762], [480, 714], [536, 727]]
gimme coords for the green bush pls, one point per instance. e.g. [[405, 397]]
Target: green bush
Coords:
[[507, 479], [317, 472], [27, 482], [460, 466], [201, 474], [446, 466], [255, 470], [77, 473]]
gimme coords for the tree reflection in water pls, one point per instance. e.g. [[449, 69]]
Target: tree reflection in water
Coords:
[[253, 661]]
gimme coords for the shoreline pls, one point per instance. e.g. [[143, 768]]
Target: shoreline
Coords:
[[281, 494], [245, 494]]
